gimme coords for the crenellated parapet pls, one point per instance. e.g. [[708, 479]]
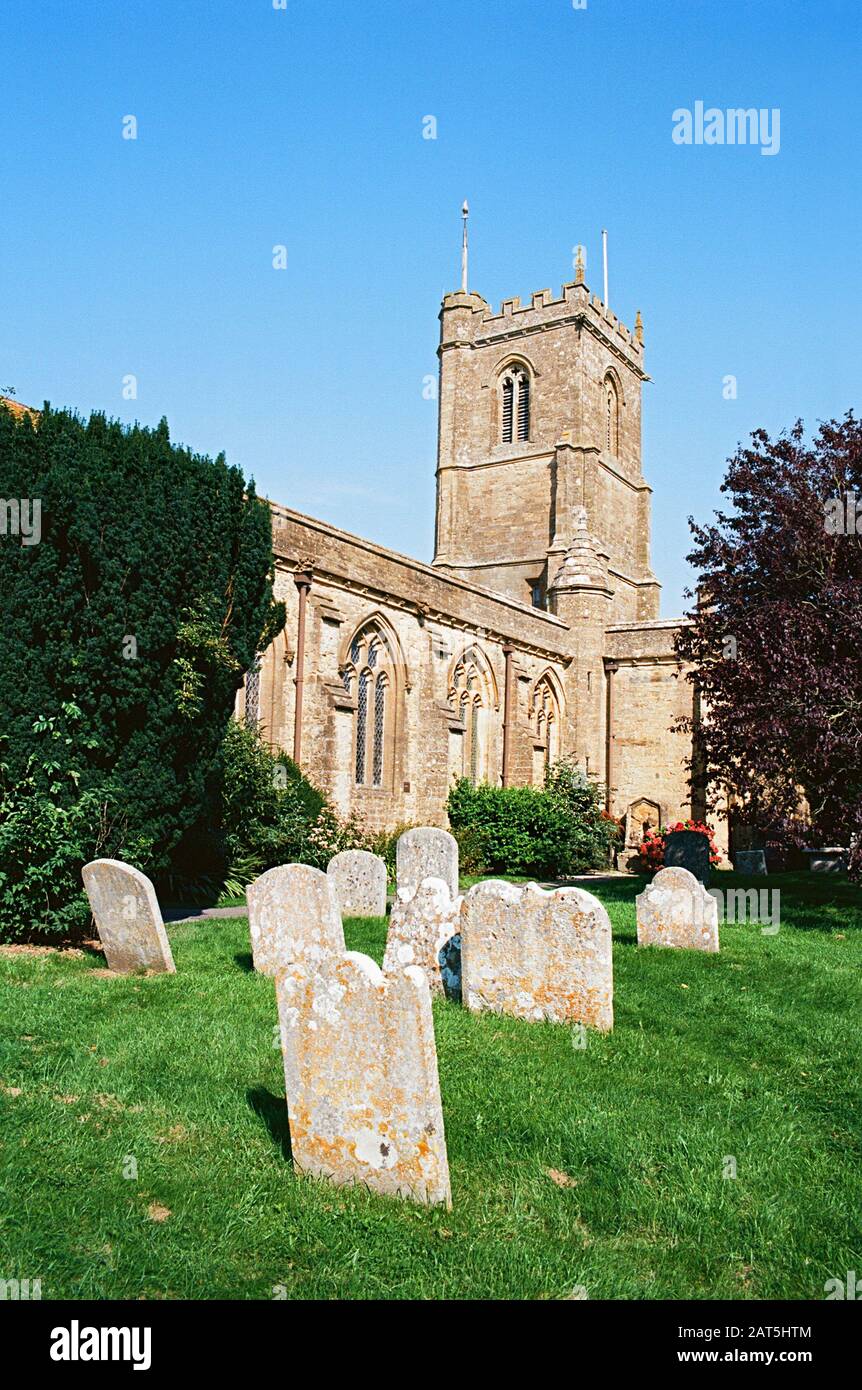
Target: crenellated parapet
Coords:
[[469, 320]]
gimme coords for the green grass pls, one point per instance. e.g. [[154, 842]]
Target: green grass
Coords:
[[599, 1167]]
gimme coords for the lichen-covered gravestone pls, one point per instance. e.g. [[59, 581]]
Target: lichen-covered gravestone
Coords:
[[688, 849], [424, 930], [293, 916], [676, 910], [127, 916], [360, 1069], [426, 852], [536, 954], [360, 883]]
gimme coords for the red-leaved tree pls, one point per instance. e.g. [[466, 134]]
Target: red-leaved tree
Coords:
[[775, 640]]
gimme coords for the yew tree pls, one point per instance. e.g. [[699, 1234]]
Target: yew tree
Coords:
[[129, 618], [775, 638]]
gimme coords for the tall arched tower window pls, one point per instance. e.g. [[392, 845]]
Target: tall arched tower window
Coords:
[[371, 672], [470, 698], [612, 416], [515, 405]]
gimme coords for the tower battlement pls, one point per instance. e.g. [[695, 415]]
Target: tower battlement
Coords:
[[468, 318]]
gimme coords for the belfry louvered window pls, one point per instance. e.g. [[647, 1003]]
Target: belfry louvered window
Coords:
[[515, 406], [524, 407], [372, 666]]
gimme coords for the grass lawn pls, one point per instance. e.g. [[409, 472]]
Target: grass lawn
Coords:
[[600, 1167]]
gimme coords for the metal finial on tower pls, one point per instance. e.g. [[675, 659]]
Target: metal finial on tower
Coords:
[[579, 265], [605, 265], [639, 327], [465, 213]]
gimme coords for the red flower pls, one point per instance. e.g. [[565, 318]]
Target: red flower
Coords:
[[652, 846]]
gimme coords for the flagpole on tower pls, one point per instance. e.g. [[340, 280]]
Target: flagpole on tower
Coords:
[[465, 212]]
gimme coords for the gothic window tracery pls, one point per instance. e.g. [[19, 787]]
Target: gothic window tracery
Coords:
[[545, 713], [469, 697], [370, 672]]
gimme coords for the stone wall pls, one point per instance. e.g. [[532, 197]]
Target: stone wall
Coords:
[[440, 641]]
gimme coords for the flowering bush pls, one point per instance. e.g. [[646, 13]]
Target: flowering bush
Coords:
[[652, 847]]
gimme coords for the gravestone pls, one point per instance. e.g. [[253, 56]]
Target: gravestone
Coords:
[[426, 852], [359, 878], [293, 916], [360, 1070], [127, 916], [423, 927], [750, 861], [827, 861], [688, 849], [676, 910], [536, 954]]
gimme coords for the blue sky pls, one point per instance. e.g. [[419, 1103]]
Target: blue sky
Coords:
[[303, 127]]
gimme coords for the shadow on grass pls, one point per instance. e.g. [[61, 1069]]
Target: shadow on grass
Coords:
[[245, 961], [273, 1111]]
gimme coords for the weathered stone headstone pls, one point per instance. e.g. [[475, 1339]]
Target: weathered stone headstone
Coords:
[[422, 931], [293, 917], [536, 954], [688, 849], [127, 916], [360, 1069], [360, 883], [676, 910], [750, 861], [426, 852]]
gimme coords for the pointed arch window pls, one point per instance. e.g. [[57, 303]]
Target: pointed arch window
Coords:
[[371, 667], [515, 405], [612, 416], [469, 696], [545, 713]]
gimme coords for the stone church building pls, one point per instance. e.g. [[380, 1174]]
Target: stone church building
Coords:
[[534, 633]]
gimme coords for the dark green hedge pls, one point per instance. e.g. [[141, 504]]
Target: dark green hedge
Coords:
[[126, 632]]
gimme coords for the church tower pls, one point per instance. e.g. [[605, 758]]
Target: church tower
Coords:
[[540, 420]]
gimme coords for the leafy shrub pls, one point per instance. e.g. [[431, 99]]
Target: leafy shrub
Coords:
[[43, 846], [471, 848], [550, 832], [270, 813]]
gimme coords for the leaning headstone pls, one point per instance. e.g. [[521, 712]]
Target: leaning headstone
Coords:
[[750, 861], [360, 1070], [536, 954], [688, 849], [293, 917], [426, 852], [127, 916], [360, 883], [676, 910], [423, 927]]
